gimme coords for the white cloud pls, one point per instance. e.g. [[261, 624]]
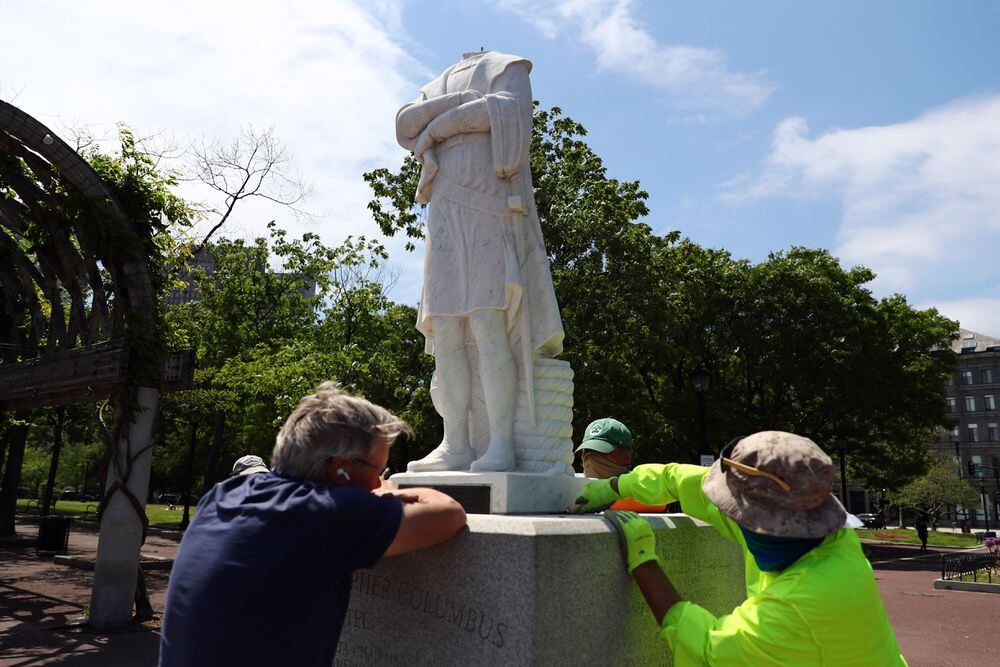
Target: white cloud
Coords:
[[328, 76], [980, 314], [698, 80], [920, 199]]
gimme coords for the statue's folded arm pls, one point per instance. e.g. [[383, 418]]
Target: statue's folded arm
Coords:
[[414, 118]]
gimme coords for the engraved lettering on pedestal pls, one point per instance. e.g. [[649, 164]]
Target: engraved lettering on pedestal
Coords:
[[368, 583], [469, 618], [364, 655], [356, 618]]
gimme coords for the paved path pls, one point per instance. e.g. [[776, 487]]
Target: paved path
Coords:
[[37, 597], [935, 628]]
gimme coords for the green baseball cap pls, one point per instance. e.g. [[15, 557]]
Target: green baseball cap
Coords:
[[606, 435]]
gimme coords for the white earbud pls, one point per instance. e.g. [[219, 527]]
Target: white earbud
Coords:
[[343, 473]]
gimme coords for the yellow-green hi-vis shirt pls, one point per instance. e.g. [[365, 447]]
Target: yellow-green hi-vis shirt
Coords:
[[824, 609]]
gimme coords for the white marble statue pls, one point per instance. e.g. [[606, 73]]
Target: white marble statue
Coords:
[[488, 309]]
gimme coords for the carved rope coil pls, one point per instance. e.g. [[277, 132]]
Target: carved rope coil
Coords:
[[564, 397], [536, 441], [544, 445], [553, 384]]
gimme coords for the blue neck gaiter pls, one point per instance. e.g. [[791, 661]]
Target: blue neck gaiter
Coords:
[[777, 553]]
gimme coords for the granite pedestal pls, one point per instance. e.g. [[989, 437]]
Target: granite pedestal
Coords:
[[531, 590]]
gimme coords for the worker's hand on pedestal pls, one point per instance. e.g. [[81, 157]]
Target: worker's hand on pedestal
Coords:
[[597, 496], [636, 537]]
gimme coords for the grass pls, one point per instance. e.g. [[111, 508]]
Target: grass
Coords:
[[909, 536], [158, 515], [979, 576]]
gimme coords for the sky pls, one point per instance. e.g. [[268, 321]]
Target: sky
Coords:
[[870, 129]]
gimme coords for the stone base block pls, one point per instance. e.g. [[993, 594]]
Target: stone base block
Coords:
[[977, 586], [501, 492], [531, 591]]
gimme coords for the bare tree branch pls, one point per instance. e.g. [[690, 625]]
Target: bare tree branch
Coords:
[[253, 164]]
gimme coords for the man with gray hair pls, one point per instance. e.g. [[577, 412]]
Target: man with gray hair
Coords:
[[263, 574]]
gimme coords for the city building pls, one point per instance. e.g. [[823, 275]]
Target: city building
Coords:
[[189, 292], [206, 262], [972, 396]]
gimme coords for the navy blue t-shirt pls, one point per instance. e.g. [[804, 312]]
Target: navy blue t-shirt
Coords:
[[263, 574]]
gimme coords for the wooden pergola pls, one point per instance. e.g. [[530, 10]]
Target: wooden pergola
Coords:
[[79, 323]]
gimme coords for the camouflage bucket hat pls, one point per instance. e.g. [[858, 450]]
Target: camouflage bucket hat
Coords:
[[776, 483]]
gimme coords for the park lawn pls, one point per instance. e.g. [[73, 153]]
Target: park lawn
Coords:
[[909, 536], [158, 515], [979, 577]]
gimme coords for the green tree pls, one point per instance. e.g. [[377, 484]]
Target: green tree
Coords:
[[274, 318], [806, 347], [931, 493]]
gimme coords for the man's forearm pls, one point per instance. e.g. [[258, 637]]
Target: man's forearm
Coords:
[[659, 592], [431, 518]]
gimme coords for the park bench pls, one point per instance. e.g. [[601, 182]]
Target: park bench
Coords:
[[984, 535]]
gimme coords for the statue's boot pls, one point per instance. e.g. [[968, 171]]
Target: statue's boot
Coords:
[[443, 457], [499, 457]]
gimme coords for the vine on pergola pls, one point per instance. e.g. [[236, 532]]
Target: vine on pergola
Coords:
[[80, 266]]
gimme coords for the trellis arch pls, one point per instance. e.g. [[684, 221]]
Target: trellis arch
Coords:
[[59, 210], [79, 322]]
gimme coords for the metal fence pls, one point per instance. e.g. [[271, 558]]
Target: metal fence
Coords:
[[955, 566]]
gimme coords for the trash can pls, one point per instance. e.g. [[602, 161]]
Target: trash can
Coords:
[[53, 533]]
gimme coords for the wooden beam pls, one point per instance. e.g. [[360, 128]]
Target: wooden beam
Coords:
[[77, 375], [81, 375]]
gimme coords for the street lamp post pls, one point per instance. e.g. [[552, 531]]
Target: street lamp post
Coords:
[[842, 449], [958, 455], [986, 504], [185, 520], [701, 380], [996, 490]]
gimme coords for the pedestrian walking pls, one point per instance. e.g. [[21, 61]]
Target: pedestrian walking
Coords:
[[922, 532]]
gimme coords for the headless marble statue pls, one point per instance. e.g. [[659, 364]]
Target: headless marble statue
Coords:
[[488, 309]]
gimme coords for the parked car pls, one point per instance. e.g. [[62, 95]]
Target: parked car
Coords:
[[168, 498], [872, 520], [175, 498], [70, 494]]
